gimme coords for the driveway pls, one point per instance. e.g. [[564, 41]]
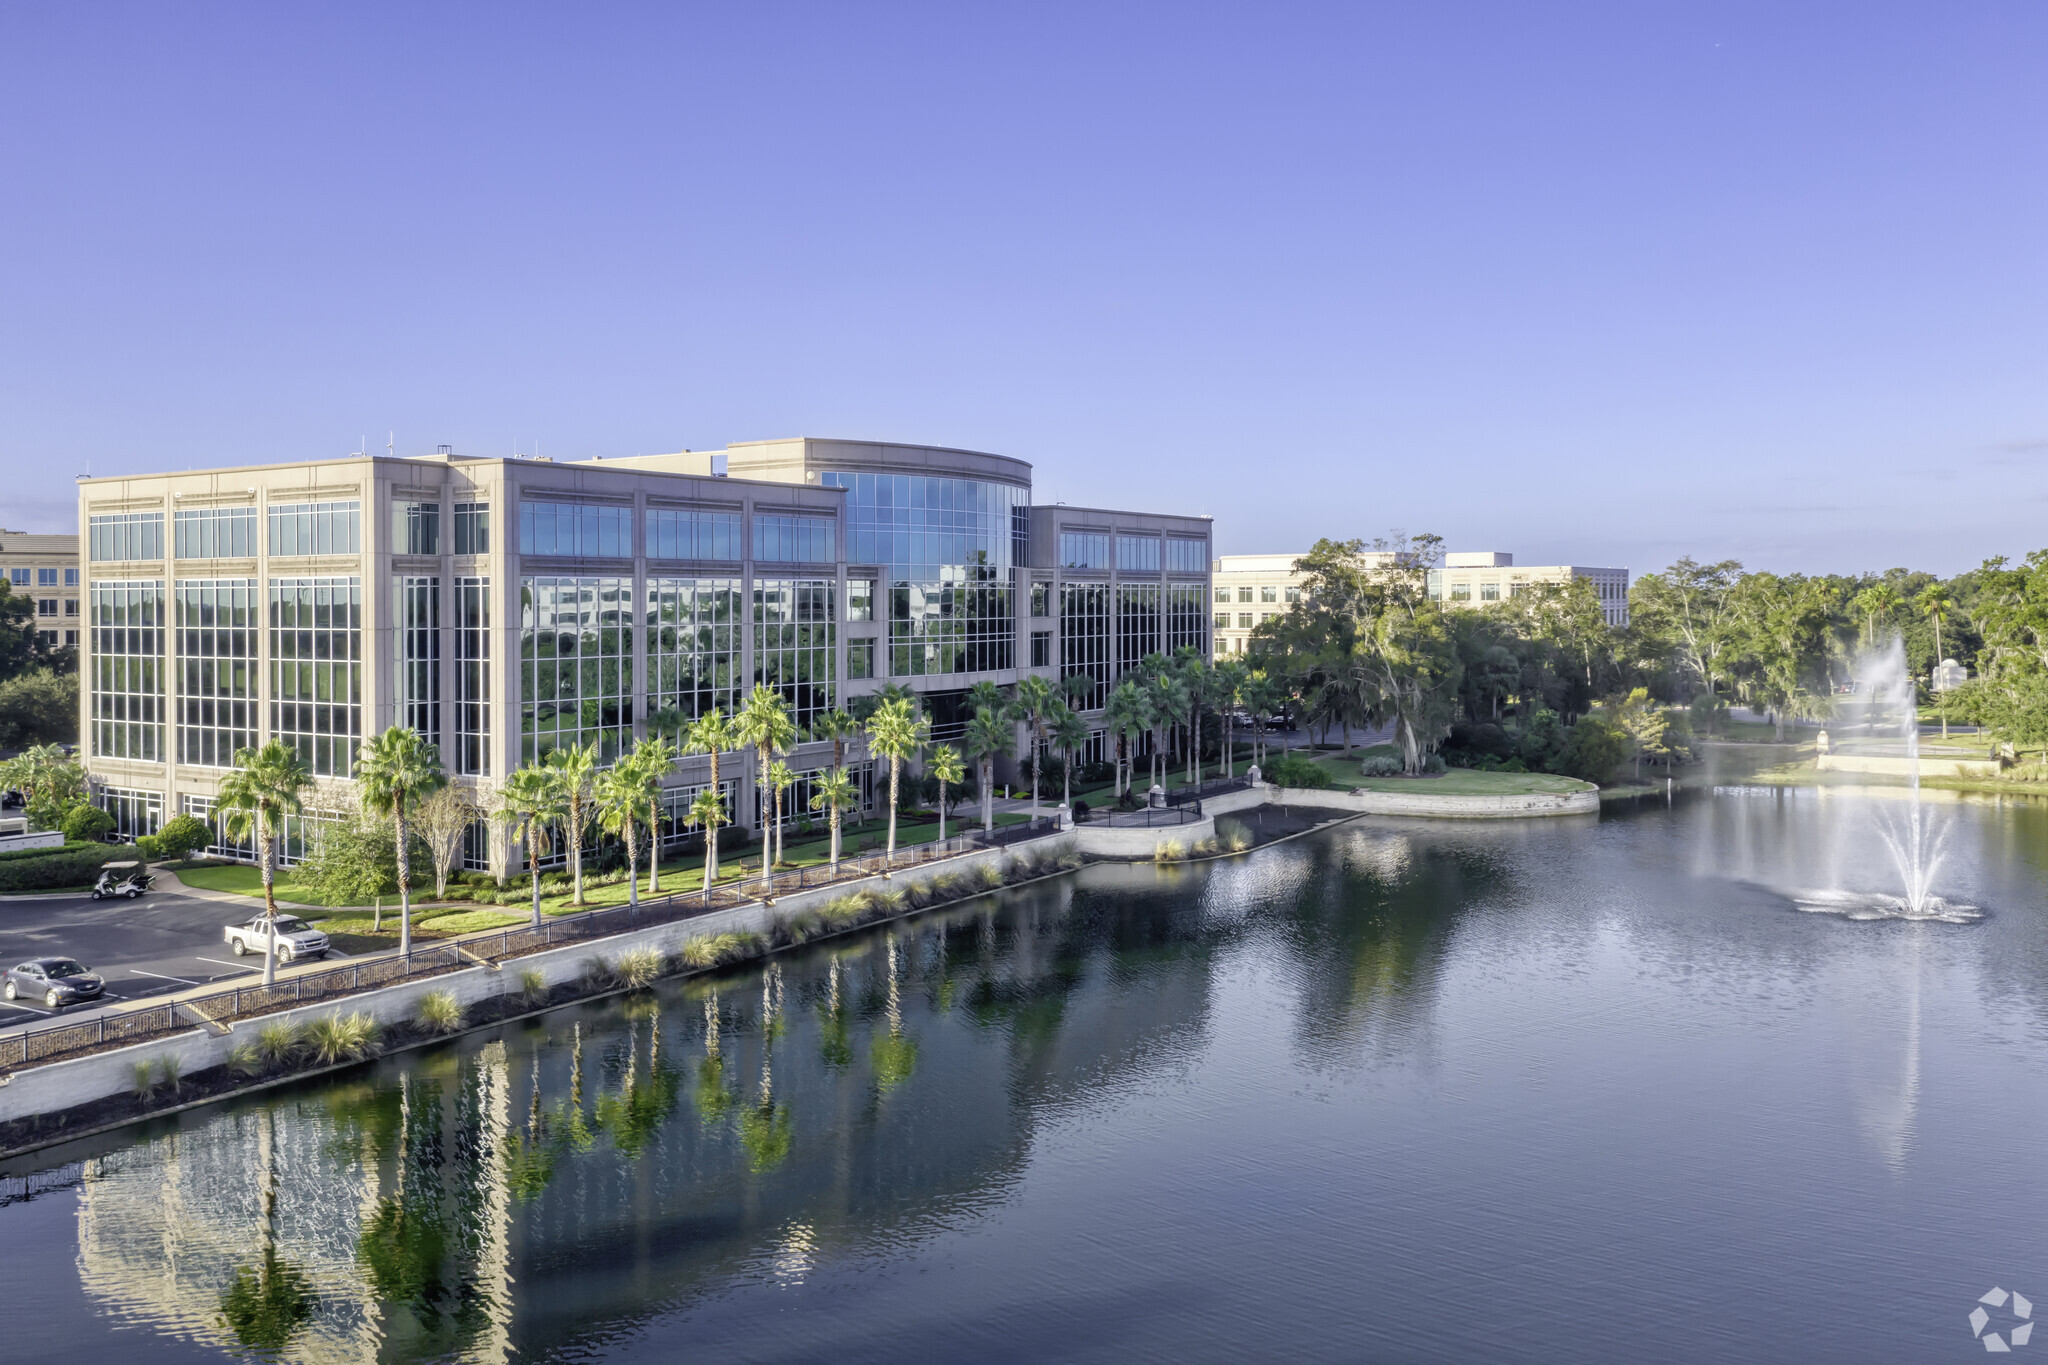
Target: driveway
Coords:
[[165, 941]]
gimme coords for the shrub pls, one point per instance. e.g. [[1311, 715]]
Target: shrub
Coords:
[[1070, 860], [169, 1072], [278, 1044], [1169, 851], [533, 984], [1294, 770], [1380, 765], [182, 836], [1433, 764], [343, 1037], [245, 1060], [991, 876], [1204, 847], [1593, 750], [85, 824], [1541, 741], [151, 849], [714, 950], [639, 967], [1233, 836], [143, 1078], [41, 869], [599, 974], [438, 1012]]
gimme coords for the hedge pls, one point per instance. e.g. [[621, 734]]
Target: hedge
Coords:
[[71, 865]]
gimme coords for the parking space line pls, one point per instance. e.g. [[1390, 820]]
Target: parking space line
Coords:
[[238, 966], [19, 1006], [137, 971]]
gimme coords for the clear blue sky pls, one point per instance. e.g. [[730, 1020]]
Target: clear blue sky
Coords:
[[1604, 284]]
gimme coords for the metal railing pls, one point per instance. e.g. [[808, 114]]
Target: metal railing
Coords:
[[1181, 796], [1149, 817], [54, 1042]]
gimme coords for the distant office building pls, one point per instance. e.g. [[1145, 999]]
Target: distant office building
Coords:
[[44, 569], [505, 607], [1477, 578]]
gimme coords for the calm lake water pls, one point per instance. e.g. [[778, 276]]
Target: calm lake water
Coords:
[[1590, 1090]]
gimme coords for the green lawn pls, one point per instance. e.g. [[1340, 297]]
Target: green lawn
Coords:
[[1344, 775], [248, 881]]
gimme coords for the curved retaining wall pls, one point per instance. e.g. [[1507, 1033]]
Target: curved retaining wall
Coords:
[[1104, 841], [1521, 807]]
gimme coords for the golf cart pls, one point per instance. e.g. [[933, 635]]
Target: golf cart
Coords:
[[122, 879]]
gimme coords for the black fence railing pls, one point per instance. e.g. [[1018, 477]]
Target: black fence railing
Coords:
[[54, 1042], [1201, 791], [1150, 817]]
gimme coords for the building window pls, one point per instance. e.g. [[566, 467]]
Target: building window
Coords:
[[417, 680], [47, 638], [1244, 594], [674, 804], [1041, 598], [46, 606], [316, 670], [476, 846], [1489, 592], [71, 606], [1291, 596], [860, 599], [472, 528], [693, 645], [1185, 628], [316, 528], [1041, 649], [70, 637], [46, 578], [860, 658], [415, 528], [71, 578], [690, 533], [588, 530], [1222, 620], [201, 808], [216, 533], [1084, 637], [1137, 554], [1084, 550], [575, 664], [472, 675], [1269, 593], [1517, 589], [1137, 624], [1186, 556], [135, 813], [1244, 620], [18, 577], [796, 644], [124, 535], [1461, 592], [127, 670], [217, 623], [794, 539]]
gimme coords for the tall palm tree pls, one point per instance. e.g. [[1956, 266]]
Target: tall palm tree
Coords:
[[1227, 687], [1078, 689], [1194, 678], [530, 801], [712, 733], [1031, 702], [653, 759], [1128, 712], [575, 768], [841, 729], [987, 738], [945, 766], [764, 723], [266, 786], [393, 771], [624, 805], [1169, 700], [708, 812], [780, 779], [1936, 605], [834, 791], [1070, 734], [986, 693], [896, 732]]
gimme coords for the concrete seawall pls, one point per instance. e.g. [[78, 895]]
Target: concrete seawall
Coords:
[[1519, 807]]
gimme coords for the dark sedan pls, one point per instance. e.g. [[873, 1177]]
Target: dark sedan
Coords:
[[55, 981]]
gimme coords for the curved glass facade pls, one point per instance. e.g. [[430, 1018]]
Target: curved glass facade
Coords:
[[948, 546]]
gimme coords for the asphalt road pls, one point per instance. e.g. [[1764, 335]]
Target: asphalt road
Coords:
[[163, 941]]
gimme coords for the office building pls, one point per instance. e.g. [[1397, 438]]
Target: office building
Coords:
[[504, 607], [1476, 578], [45, 571]]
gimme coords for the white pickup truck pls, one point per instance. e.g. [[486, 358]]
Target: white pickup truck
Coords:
[[295, 938]]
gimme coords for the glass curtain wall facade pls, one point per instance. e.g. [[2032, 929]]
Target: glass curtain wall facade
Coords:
[[128, 670], [417, 658], [217, 533], [796, 630], [949, 546], [1084, 637], [218, 659], [1185, 623], [693, 645], [575, 665], [472, 747], [316, 670], [1137, 624]]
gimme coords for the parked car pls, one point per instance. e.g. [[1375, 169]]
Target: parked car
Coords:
[[295, 938], [56, 981], [123, 879]]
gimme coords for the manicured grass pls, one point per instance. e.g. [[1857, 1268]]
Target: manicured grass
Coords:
[[473, 921], [243, 880], [1344, 775]]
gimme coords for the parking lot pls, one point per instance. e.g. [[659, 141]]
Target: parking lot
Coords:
[[161, 942]]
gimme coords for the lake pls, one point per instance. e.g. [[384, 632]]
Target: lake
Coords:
[[1556, 1090]]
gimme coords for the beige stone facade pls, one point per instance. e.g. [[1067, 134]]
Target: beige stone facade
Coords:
[[46, 571], [1476, 578]]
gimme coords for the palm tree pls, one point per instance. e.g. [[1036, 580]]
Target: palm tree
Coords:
[[530, 801], [708, 812], [652, 759], [1194, 678], [265, 788], [945, 766], [1128, 712], [712, 733], [623, 806], [1227, 686], [1935, 605], [895, 732], [834, 791], [986, 693], [1070, 734], [839, 727], [764, 723], [393, 771], [1032, 700], [575, 767], [780, 780], [1168, 700], [1078, 689], [988, 737]]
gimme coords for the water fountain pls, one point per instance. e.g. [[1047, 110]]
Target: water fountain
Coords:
[[1913, 834]]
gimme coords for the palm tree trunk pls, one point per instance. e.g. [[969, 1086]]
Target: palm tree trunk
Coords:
[[895, 769], [942, 811], [269, 855], [988, 793], [654, 855], [404, 882], [632, 868], [835, 839], [711, 839], [533, 865], [767, 830]]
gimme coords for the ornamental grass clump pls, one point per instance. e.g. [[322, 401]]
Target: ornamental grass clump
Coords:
[[144, 1079], [991, 876], [533, 985], [1205, 848], [715, 950], [599, 974], [1233, 836], [804, 926], [438, 1012], [343, 1037], [1169, 851], [641, 967], [1071, 861], [279, 1043]]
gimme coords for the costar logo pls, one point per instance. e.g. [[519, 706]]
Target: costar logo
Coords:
[[2020, 1334]]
